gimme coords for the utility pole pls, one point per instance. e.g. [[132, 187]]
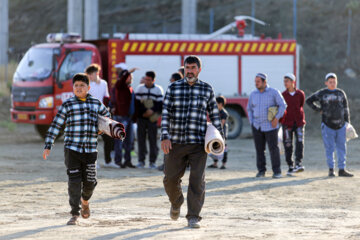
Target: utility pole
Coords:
[[295, 19], [188, 16], [91, 20], [253, 15], [4, 35], [75, 16]]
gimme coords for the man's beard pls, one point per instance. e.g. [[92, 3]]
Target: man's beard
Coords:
[[191, 78]]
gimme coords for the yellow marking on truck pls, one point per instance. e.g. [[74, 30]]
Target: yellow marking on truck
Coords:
[[198, 47], [175, 47], [113, 63], [238, 47], [183, 47], [167, 47], [113, 57], [134, 47], [214, 47], [191, 47], [253, 47], [222, 47], [150, 47], [230, 47], [277, 47], [292, 47], [158, 47], [126, 47], [207, 47], [262, 47], [22, 116], [142, 47], [284, 47], [113, 44], [269, 47], [113, 75], [246, 47], [113, 51]]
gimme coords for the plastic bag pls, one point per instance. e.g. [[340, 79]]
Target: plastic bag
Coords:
[[280, 141], [350, 132]]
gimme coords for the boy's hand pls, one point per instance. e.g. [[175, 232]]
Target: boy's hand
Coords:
[[100, 132], [46, 153]]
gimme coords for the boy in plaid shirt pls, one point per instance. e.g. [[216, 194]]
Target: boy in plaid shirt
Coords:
[[80, 116]]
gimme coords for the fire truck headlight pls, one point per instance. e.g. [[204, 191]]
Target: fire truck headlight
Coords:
[[46, 102]]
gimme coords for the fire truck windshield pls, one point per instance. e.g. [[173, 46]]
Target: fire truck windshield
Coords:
[[35, 65]]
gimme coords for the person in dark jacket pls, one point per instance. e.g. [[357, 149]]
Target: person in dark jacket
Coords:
[[332, 103], [293, 123], [123, 103]]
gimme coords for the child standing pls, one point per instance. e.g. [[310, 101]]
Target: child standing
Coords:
[[293, 123], [80, 116], [333, 105], [224, 115]]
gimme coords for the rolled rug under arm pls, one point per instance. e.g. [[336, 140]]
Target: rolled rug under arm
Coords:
[[214, 143], [112, 128]]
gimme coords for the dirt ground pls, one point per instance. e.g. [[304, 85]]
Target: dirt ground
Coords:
[[132, 204]]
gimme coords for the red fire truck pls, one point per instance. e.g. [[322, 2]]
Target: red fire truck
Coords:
[[42, 80]]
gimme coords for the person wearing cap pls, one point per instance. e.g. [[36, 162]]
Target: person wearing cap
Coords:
[[264, 130], [293, 123], [332, 103]]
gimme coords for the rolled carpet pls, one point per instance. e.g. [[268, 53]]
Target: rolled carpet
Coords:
[[214, 143], [112, 128]]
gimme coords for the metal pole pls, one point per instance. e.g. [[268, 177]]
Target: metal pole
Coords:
[[211, 20], [91, 21], [4, 35], [188, 16], [295, 20], [348, 50], [75, 16], [252, 15]]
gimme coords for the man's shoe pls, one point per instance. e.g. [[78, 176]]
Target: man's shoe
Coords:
[[152, 166], [331, 172], [223, 167], [299, 168], [129, 165], [73, 220], [344, 173], [290, 172], [161, 167], [111, 165], [193, 223], [277, 175], [260, 174], [213, 166], [140, 165], [174, 213]]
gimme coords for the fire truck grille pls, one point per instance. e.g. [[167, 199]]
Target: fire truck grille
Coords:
[[29, 94]]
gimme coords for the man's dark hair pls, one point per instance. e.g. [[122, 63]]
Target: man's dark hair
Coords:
[[221, 99], [92, 68], [177, 76], [150, 74], [193, 59], [80, 77], [182, 70]]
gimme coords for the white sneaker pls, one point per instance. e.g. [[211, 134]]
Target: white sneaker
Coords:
[[97, 165], [111, 165]]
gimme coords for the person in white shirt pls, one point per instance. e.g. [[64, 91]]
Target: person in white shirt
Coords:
[[99, 89]]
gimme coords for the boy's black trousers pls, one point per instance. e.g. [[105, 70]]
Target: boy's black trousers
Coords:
[[81, 170]]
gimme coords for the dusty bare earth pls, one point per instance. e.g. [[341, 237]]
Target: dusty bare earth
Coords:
[[131, 204]]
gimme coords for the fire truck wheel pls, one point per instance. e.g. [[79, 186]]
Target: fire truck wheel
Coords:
[[42, 130], [235, 123]]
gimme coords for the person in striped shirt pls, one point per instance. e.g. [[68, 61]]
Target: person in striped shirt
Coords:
[[79, 114]]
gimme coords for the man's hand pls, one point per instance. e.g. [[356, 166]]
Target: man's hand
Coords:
[[274, 122], [148, 113], [166, 146], [46, 153], [112, 111]]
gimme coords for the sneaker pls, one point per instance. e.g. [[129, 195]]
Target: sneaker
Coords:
[[223, 167], [331, 172], [277, 175], [213, 166], [111, 165], [344, 173], [161, 167], [260, 174], [140, 165], [193, 223], [73, 220], [152, 166], [174, 213], [290, 172], [299, 168], [129, 165]]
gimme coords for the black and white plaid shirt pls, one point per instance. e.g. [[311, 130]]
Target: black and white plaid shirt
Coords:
[[81, 124], [184, 116]]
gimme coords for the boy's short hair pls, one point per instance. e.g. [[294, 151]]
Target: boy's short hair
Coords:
[[82, 77], [150, 74], [193, 59], [177, 76], [221, 99], [92, 68]]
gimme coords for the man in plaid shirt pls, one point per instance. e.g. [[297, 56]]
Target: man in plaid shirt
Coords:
[[184, 124], [80, 116]]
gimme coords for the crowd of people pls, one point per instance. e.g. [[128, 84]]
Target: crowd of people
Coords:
[[185, 109]]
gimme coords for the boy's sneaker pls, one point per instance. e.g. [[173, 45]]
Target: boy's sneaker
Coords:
[[213, 166], [344, 173], [277, 175], [260, 174], [193, 223], [223, 167], [290, 172], [152, 166], [161, 167], [111, 165], [331, 172], [299, 168], [73, 220], [140, 165]]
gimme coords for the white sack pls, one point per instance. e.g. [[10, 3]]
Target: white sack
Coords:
[[214, 143]]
